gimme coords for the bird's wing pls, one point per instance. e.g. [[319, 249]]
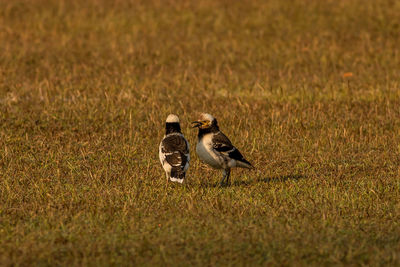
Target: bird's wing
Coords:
[[223, 145], [176, 150]]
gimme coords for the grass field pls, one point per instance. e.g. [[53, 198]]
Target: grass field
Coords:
[[308, 90]]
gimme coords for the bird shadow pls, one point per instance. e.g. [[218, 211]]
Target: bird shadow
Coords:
[[273, 179], [282, 178]]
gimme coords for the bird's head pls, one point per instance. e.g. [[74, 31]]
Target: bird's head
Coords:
[[172, 118], [172, 124], [205, 121]]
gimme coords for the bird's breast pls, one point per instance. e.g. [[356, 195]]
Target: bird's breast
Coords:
[[205, 152]]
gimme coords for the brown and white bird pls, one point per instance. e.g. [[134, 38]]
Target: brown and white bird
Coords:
[[215, 149], [174, 150]]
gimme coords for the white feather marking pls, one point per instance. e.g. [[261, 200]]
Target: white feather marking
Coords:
[[176, 180], [172, 118], [206, 117]]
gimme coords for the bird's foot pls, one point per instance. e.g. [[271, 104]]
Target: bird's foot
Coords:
[[224, 183]]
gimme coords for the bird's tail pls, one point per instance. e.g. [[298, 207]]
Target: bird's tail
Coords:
[[177, 176], [244, 164]]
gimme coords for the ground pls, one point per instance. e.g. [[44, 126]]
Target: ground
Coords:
[[307, 90]]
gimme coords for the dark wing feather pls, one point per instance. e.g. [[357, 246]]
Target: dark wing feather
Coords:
[[175, 147], [235, 154], [176, 159], [222, 144]]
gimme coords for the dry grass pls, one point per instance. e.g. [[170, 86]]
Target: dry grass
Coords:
[[313, 86]]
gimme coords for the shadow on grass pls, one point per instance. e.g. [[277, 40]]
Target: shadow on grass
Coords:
[[281, 178], [274, 179]]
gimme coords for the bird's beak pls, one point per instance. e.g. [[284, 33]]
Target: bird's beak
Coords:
[[196, 124]]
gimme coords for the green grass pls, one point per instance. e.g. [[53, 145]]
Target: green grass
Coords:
[[85, 87]]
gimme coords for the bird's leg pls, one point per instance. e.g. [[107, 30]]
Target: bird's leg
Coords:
[[228, 171], [226, 175], [223, 178]]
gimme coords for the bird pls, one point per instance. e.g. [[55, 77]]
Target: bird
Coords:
[[174, 150], [215, 149]]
